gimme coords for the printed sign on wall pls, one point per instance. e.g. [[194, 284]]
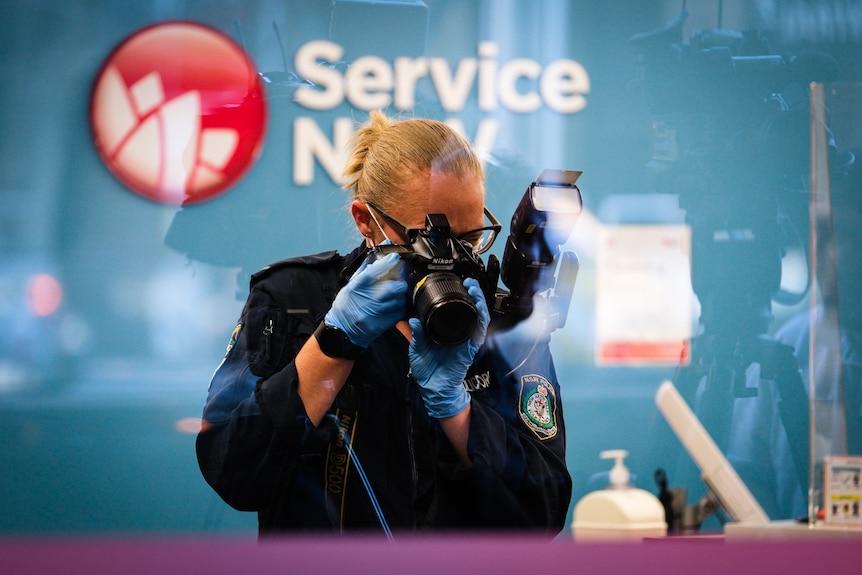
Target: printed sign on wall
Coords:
[[643, 295]]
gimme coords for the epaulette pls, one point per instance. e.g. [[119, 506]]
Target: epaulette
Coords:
[[310, 261]]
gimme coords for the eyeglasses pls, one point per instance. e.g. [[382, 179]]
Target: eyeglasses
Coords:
[[480, 240]]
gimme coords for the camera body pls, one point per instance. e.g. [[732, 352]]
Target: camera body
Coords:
[[436, 265]]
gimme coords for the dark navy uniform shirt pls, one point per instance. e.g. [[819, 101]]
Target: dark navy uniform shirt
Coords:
[[377, 458]]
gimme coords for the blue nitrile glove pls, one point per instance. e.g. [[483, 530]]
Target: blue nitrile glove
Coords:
[[372, 301], [439, 370]]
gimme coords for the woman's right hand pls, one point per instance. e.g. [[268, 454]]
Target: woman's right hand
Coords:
[[373, 301]]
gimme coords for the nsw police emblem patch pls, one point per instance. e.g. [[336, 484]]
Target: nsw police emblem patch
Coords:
[[233, 337], [538, 406]]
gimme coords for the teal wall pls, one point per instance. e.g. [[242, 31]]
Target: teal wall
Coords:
[[96, 397]]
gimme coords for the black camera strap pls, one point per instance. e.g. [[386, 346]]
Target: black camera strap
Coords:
[[339, 456]]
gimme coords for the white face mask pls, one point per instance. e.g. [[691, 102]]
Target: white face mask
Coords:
[[369, 241]]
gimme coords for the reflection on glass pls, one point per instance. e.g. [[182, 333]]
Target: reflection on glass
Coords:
[[832, 368]]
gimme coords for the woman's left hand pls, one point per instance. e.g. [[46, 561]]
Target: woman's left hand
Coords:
[[439, 370]]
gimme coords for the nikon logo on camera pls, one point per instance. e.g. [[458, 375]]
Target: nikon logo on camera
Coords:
[[441, 264]]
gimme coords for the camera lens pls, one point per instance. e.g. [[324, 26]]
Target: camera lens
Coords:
[[446, 310]]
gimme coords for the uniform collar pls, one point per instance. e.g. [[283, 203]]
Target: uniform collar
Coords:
[[352, 261]]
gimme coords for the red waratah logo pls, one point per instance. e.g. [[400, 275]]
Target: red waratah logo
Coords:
[[178, 112]]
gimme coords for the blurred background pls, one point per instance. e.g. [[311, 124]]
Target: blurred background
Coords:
[[690, 122]]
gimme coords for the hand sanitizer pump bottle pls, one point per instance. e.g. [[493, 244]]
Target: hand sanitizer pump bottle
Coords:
[[620, 512]]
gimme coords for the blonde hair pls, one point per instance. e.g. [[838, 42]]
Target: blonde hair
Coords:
[[386, 153]]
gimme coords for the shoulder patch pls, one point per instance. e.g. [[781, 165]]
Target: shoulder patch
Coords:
[[538, 406], [233, 337]]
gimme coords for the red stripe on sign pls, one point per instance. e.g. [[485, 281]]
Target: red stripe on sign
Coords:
[[650, 352]]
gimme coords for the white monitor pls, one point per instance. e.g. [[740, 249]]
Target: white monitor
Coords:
[[718, 474]]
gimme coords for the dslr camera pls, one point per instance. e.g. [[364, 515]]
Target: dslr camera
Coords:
[[437, 264]]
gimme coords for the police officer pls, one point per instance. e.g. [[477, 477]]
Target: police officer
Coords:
[[331, 410]]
